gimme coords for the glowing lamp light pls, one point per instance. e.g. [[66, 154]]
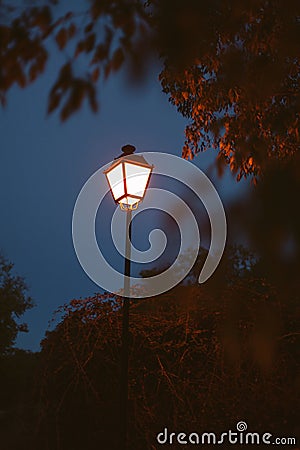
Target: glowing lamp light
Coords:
[[128, 178]]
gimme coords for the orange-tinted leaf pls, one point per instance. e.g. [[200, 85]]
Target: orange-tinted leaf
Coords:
[[62, 38], [54, 101], [89, 27], [95, 74], [117, 59], [72, 30]]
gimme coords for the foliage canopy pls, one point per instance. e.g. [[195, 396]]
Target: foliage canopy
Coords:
[[230, 67]]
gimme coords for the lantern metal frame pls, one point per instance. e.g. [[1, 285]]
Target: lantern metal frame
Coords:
[[135, 160]]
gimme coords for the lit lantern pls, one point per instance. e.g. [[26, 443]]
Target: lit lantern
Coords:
[[128, 178]]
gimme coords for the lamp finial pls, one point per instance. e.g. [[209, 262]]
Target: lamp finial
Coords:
[[128, 149]]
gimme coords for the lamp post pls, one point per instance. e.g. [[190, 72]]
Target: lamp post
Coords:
[[128, 178]]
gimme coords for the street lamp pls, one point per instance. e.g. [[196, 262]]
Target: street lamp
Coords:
[[128, 178]]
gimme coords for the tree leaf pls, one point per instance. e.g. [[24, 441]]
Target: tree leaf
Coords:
[[62, 38]]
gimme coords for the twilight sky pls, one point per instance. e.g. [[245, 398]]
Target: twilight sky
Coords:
[[44, 165]]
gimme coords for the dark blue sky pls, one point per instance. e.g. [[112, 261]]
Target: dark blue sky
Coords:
[[44, 164]]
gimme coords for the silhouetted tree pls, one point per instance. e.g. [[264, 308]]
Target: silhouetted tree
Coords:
[[17, 367], [13, 304], [201, 358]]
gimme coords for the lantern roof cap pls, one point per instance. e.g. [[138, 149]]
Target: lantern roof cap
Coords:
[[128, 156]]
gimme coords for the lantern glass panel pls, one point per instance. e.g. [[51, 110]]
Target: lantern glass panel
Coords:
[[136, 179], [116, 181]]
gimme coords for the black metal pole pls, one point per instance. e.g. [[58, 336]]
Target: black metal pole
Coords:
[[125, 338]]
